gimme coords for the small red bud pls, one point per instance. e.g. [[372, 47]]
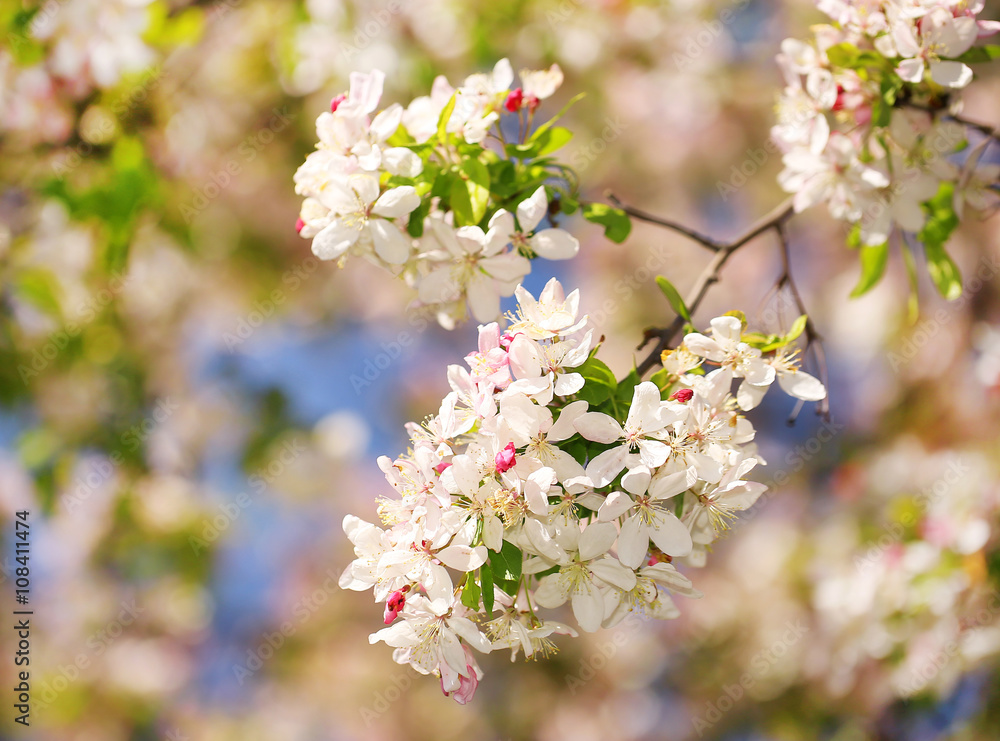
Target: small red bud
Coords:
[[514, 100], [299, 225], [505, 458], [335, 103], [682, 395]]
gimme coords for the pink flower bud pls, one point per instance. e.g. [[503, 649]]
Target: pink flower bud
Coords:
[[505, 458], [514, 100], [393, 606], [299, 225], [440, 467], [682, 395], [335, 103], [533, 102]]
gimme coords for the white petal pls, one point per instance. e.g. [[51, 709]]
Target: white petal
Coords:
[[665, 487], [467, 630], [670, 535], [653, 453], [616, 504], [402, 161], [749, 396], [555, 244], [439, 286], [334, 240], [802, 386], [396, 202], [633, 542], [757, 372], [596, 540], [604, 468], [644, 414], [727, 328], [390, 243], [598, 428], [568, 383], [588, 606], [610, 570], [951, 74], [911, 70], [565, 426], [532, 210], [462, 557], [385, 123], [636, 481], [704, 346], [484, 301], [551, 591], [510, 268], [524, 357]]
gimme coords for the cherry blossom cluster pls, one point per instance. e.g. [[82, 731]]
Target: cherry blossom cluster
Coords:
[[60, 53], [543, 481], [864, 120], [434, 192]]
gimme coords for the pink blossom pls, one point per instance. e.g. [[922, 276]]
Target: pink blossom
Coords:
[[505, 458]]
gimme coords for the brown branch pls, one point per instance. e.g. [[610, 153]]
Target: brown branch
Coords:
[[814, 340], [986, 129], [709, 276], [636, 213]]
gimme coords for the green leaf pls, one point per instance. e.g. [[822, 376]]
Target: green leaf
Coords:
[[676, 302], [798, 327], [486, 575], [616, 222], [553, 139], [445, 117], [626, 387], [843, 55], [478, 186], [503, 178], [415, 226], [739, 315], [941, 222], [470, 592], [599, 382], [979, 54], [40, 288], [943, 270], [506, 567], [461, 203], [873, 262], [540, 131], [664, 381], [913, 300]]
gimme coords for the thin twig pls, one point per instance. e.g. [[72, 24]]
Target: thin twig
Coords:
[[986, 129], [814, 341], [710, 275], [636, 213]]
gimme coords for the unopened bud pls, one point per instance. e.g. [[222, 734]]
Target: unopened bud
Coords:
[[682, 395], [515, 100], [505, 458]]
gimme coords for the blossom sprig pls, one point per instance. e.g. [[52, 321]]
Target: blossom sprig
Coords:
[[868, 123], [437, 194], [543, 480]]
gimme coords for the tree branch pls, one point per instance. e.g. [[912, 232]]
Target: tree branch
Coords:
[[986, 129], [814, 340], [710, 275]]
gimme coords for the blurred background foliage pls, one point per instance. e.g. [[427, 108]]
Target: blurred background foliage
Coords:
[[190, 402]]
